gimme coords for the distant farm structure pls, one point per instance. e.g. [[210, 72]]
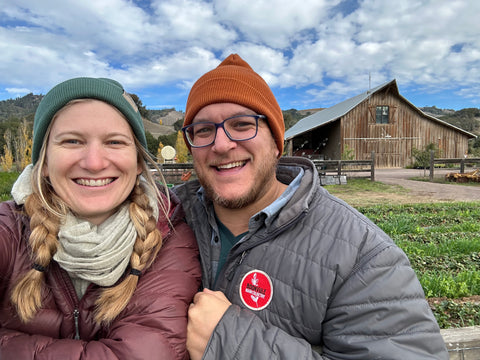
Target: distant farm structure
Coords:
[[379, 120]]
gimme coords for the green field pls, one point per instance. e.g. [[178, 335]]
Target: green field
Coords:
[[442, 241]]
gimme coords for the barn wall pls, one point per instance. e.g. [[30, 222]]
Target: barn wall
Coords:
[[393, 142]]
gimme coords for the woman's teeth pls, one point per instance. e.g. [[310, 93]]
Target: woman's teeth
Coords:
[[92, 182]]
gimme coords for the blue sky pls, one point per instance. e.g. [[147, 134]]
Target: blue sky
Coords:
[[313, 53]]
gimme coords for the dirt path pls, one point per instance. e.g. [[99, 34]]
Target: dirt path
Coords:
[[428, 190]]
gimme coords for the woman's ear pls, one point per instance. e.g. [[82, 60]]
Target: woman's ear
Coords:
[[45, 169]]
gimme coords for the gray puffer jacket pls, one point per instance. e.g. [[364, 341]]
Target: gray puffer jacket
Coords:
[[339, 287]]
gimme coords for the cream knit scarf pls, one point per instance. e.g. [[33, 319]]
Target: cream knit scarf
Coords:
[[90, 253], [98, 254]]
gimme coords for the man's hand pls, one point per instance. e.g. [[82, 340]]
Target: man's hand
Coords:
[[204, 314]]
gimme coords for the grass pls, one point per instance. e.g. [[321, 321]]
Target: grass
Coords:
[[6, 181], [442, 241], [362, 185]]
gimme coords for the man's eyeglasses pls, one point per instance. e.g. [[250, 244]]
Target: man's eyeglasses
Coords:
[[237, 128]]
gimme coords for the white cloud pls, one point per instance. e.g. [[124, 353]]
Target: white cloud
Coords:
[[191, 22], [328, 47], [16, 92], [276, 23], [107, 26]]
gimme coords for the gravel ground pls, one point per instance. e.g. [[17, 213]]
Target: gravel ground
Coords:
[[453, 192]]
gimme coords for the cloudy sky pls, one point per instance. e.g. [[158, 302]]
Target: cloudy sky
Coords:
[[313, 53]]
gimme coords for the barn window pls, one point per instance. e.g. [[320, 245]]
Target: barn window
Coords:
[[382, 114]]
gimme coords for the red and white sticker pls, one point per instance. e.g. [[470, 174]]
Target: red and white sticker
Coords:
[[256, 290]]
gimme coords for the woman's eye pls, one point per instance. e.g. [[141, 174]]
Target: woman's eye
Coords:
[[116, 142]]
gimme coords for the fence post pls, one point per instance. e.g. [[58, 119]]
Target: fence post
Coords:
[[339, 172], [432, 164], [462, 166], [372, 171]]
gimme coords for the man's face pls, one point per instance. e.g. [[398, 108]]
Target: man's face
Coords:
[[236, 174]]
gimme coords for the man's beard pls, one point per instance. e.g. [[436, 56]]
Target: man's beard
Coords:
[[260, 186]]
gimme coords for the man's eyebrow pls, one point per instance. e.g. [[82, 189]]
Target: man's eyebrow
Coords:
[[239, 113]]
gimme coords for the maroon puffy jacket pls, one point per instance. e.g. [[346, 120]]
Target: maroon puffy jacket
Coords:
[[152, 326]]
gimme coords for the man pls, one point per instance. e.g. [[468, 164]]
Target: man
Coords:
[[289, 271]]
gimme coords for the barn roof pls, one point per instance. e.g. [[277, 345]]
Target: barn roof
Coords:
[[335, 112]]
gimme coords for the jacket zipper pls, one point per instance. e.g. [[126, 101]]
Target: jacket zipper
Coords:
[[237, 264], [76, 315], [70, 297]]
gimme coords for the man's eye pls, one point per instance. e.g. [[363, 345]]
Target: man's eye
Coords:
[[202, 131], [242, 124]]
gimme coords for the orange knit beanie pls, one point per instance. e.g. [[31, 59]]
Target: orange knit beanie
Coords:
[[234, 81]]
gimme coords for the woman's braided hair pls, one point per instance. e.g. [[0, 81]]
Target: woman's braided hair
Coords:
[[46, 211]]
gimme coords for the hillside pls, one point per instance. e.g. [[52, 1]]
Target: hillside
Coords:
[[156, 129], [24, 107], [467, 119], [19, 108], [165, 116]]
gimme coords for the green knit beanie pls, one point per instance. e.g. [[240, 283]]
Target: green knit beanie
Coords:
[[103, 89]]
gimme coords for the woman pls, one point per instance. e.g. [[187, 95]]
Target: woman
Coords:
[[95, 261]]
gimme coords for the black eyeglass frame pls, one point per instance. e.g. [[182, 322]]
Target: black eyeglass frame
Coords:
[[221, 125]]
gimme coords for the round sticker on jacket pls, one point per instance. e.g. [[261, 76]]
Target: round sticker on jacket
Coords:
[[256, 290]]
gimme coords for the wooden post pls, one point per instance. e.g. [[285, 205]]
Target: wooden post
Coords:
[[372, 171], [462, 166], [339, 171], [432, 164]]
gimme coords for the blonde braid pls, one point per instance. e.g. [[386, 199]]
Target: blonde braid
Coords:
[[147, 244], [27, 293]]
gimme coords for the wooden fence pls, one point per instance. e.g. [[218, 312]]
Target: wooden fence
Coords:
[[455, 163], [178, 173], [345, 167]]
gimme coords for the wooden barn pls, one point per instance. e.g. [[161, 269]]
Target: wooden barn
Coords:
[[379, 120]]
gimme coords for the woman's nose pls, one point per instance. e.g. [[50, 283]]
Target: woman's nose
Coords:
[[94, 157]]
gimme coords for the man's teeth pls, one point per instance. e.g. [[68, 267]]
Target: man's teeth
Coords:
[[231, 165], [92, 182]]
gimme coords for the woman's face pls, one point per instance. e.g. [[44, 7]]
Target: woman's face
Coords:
[[91, 159]]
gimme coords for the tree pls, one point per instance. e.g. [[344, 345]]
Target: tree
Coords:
[[177, 125], [141, 108], [169, 139], [6, 160], [348, 153], [474, 147], [181, 148], [23, 146], [160, 158], [422, 157], [152, 143]]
